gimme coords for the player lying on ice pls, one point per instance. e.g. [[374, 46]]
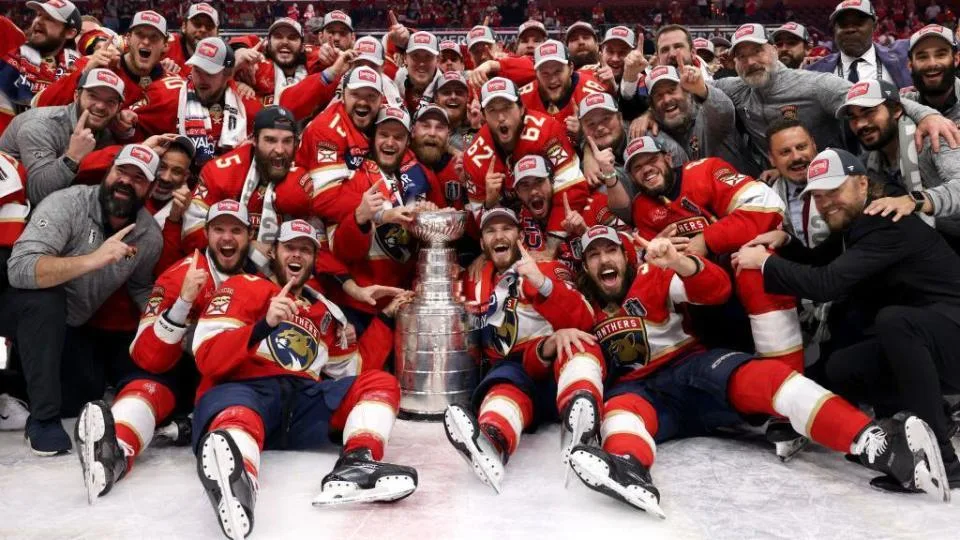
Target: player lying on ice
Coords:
[[663, 384], [263, 353]]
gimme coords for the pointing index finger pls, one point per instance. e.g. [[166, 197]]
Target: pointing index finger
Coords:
[[392, 18], [566, 205], [286, 288], [82, 122], [493, 164], [196, 257], [123, 232], [593, 146]]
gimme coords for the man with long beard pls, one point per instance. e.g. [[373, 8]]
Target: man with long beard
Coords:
[[81, 245], [793, 43], [933, 66], [286, 61], [430, 142]]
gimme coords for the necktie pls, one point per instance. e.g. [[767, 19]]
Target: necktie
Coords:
[[853, 75]]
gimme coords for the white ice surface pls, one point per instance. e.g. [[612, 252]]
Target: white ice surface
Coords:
[[710, 488]]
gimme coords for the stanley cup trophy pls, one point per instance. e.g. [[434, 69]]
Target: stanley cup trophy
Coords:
[[437, 357]]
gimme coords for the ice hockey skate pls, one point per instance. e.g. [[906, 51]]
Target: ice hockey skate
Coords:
[[358, 478], [621, 477], [786, 441], [177, 431], [231, 490], [580, 425], [103, 460], [474, 445], [905, 449]]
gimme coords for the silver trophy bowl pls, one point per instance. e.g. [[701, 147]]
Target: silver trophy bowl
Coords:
[[439, 227]]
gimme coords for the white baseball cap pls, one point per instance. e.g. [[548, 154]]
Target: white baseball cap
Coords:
[[797, 30], [497, 212], [480, 34], [212, 55], [60, 10], [228, 207], [452, 77], [288, 22], [640, 145], [530, 166], [599, 232], [298, 228], [704, 44], [141, 156], [204, 8], [423, 41], [863, 6], [396, 114], [498, 87], [370, 49], [531, 25], [622, 34], [337, 16], [149, 18], [660, 74], [431, 109], [597, 101], [364, 77], [934, 30], [550, 50], [452, 46], [102, 78], [830, 169], [868, 94], [749, 33]]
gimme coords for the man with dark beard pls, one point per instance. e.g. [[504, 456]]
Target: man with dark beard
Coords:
[[81, 245], [933, 67], [286, 62], [793, 43], [582, 44], [430, 142]]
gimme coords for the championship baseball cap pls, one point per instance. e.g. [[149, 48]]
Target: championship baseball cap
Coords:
[[703, 45], [660, 74], [364, 77], [933, 30], [622, 34], [452, 46], [451, 77], [203, 8], [594, 102], [531, 166], [498, 87], [370, 49], [495, 213], [186, 144], [868, 94], [60, 10], [274, 117], [830, 169], [797, 30], [749, 33], [229, 207], [288, 22], [599, 232], [149, 18], [862, 6], [423, 41], [141, 156], [720, 41], [431, 110], [212, 56], [480, 34], [579, 25], [102, 78], [396, 114], [337, 16], [550, 50], [640, 145], [298, 228], [531, 25]]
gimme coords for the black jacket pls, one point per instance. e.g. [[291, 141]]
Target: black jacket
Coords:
[[879, 263]]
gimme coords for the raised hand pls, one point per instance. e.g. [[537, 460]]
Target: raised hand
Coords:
[[181, 200], [342, 63], [193, 281], [105, 57], [494, 184], [634, 64], [371, 293], [400, 215], [398, 33], [125, 121], [572, 222], [370, 203], [659, 252], [527, 267], [160, 143], [171, 67], [605, 158], [82, 141], [691, 79], [113, 249], [770, 239], [282, 307], [327, 54], [573, 122]]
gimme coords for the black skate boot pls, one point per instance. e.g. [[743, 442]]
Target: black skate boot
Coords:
[[484, 449], [358, 478], [179, 430], [232, 492], [951, 466], [786, 441], [905, 449], [580, 424], [621, 477], [103, 460]]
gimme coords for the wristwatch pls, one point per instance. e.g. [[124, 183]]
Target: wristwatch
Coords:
[[71, 164], [919, 198]]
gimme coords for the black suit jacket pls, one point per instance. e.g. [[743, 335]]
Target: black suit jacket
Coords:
[[882, 263]]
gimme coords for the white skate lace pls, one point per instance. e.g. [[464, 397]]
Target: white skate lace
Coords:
[[127, 449], [873, 443]]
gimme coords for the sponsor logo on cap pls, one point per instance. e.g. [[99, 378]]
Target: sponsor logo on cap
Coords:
[[790, 26], [637, 144], [207, 49], [451, 45], [107, 77], [56, 3], [745, 30], [366, 47], [421, 38], [818, 168], [850, 4], [367, 75], [596, 99], [301, 226], [141, 154], [597, 230], [700, 43], [549, 48], [496, 86], [858, 90], [150, 16], [206, 8], [337, 16], [393, 112], [935, 28], [478, 32], [526, 164], [620, 31], [228, 206], [452, 76], [659, 71]]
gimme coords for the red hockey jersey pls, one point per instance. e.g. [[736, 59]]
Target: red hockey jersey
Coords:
[[177, 51], [709, 196], [540, 135], [62, 91], [307, 346], [584, 84]]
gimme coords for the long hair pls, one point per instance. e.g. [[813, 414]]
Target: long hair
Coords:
[[592, 292]]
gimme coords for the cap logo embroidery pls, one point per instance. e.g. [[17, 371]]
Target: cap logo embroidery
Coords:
[[858, 90], [150, 16], [107, 77], [367, 75], [207, 49], [818, 168], [549, 48], [496, 86], [527, 164], [141, 154], [744, 31], [228, 206]]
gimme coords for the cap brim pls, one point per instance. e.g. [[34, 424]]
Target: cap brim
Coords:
[[776, 33], [934, 35], [227, 214], [375, 60], [585, 245], [548, 59], [279, 24], [497, 213], [620, 39], [415, 48], [447, 82], [824, 184], [349, 27], [499, 95], [605, 107], [296, 235], [99, 84], [151, 25], [481, 40], [660, 80], [837, 13], [206, 65], [756, 40], [364, 84], [215, 20], [435, 112], [867, 102], [578, 26]]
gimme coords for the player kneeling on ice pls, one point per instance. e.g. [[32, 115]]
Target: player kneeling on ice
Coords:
[[664, 385], [528, 301], [109, 438], [265, 355]]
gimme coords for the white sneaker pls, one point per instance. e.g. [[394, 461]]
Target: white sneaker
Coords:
[[13, 413]]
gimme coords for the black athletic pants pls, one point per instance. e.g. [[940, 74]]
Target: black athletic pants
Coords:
[[910, 360], [63, 367]]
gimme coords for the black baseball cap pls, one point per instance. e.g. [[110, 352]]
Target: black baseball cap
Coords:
[[186, 144], [275, 117]]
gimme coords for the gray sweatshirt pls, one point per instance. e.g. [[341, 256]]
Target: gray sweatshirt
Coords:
[[952, 112], [39, 138], [70, 223]]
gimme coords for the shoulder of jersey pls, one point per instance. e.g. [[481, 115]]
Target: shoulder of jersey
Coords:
[[697, 163], [527, 88]]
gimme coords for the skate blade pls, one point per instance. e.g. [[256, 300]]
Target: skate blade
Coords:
[[387, 489], [219, 465], [786, 450], [582, 419], [932, 478], [596, 475], [460, 431], [90, 431]]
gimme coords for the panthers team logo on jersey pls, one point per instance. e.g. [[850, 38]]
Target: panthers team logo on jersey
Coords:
[[624, 341], [505, 336], [294, 345], [395, 241]]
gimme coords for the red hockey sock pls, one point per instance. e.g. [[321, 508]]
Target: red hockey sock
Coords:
[[508, 409], [774, 322], [368, 411], [581, 372], [629, 426], [139, 406], [246, 429]]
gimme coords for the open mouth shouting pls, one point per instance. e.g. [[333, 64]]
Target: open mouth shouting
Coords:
[[362, 116], [609, 279], [144, 54], [295, 270], [538, 206]]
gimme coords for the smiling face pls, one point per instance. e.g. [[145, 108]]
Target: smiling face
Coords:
[[227, 243], [651, 173], [672, 106], [875, 127], [790, 49], [839, 207], [422, 67], [390, 141], [933, 66], [145, 48], [453, 99], [853, 32], [210, 88], [274, 153], [555, 80], [294, 261], [123, 191], [101, 103], [338, 35], [47, 35], [362, 106], [499, 242], [173, 172], [604, 127], [791, 152], [606, 267], [430, 138], [504, 118], [754, 63], [535, 194], [614, 54], [285, 46]]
